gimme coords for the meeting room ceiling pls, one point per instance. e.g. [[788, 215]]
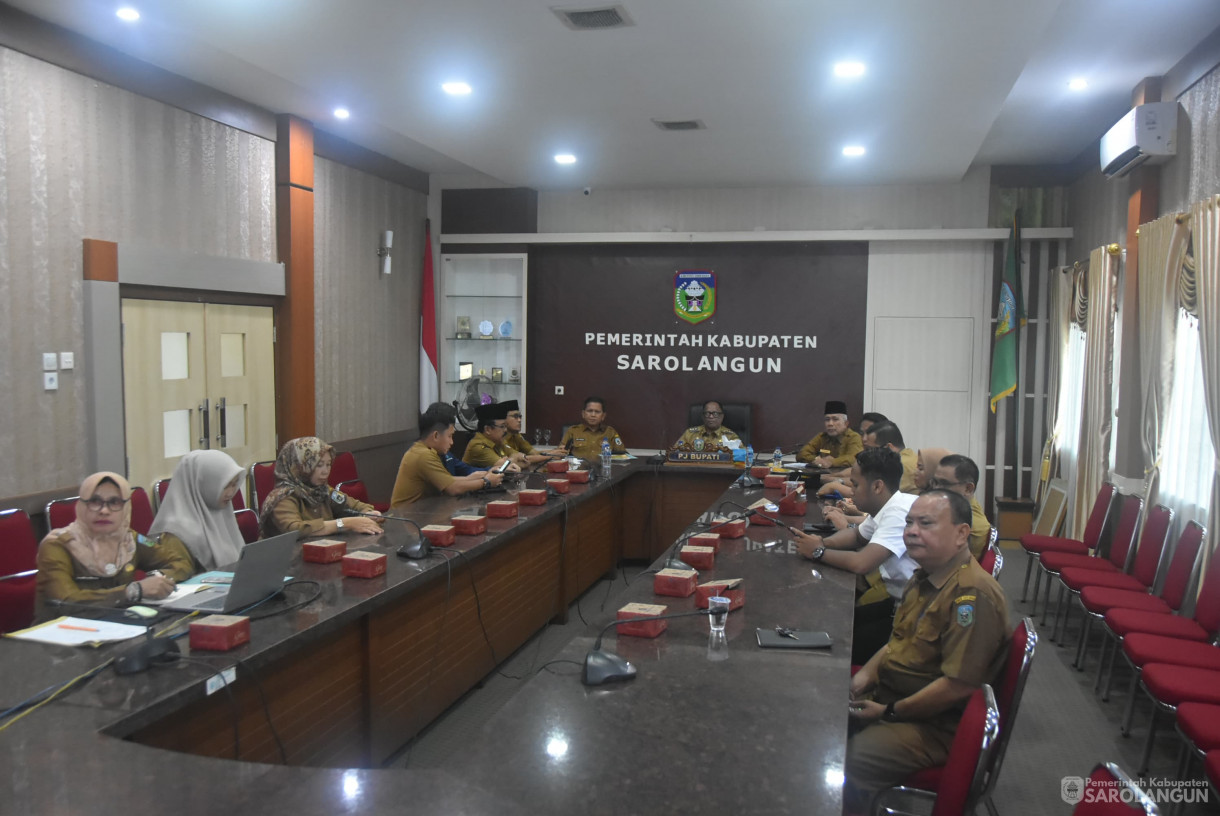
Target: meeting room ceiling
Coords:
[[948, 83]]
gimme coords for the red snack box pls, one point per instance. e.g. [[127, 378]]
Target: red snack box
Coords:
[[502, 509], [577, 476], [648, 629], [324, 551], [677, 583], [730, 588], [706, 540], [775, 480], [793, 504], [760, 471], [557, 466], [441, 535], [698, 557], [532, 497], [220, 633], [364, 564], [559, 485], [763, 517], [470, 525], [730, 529]]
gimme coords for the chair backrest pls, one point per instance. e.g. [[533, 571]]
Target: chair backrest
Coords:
[[1108, 780], [1010, 688], [993, 560], [141, 511], [238, 502], [1054, 508], [737, 418], [1124, 533], [159, 488], [356, 489], [1207, 608], [1182, 566], [61, 512], [262, 480], [1152, 544], [961, 782], [247, 522], [1097, 518], [342, 469], [18, 553]]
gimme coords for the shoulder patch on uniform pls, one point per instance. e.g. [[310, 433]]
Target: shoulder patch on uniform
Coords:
[[618, 441], [965, 615], [964, 598], [145, 540]]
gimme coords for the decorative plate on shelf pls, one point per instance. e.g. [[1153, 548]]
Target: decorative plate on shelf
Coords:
[[485, 328], [506, 329]]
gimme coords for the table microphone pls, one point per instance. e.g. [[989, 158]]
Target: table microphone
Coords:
[[674, 562], [420, 549], [602, 666]]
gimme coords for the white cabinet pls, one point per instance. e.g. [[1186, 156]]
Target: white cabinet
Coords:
[[490, 291]]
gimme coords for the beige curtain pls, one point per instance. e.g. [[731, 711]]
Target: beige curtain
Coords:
[[1162, 251], [1060, 323], [1096, 302], [1206, 226]]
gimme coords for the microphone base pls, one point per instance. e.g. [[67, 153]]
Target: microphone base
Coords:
[[674, 562], [420, 549], [603, 667]]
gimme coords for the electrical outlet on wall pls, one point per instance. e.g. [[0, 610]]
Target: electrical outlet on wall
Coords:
[[559, 390], [50, 381]]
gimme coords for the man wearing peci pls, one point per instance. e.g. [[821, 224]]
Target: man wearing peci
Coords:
[[836, 447], [950, 636], [884, 434], [711, 434], [514, 441], [584, 439], [487, 446]]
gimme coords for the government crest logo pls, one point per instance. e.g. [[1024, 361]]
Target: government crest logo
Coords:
[[694, 295]]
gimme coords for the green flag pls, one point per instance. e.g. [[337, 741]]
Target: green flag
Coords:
[[1009, 310]]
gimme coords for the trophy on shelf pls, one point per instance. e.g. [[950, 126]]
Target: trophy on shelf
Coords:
[[463, 327], [497, 374], [514, 375], [485, 329], [465, 371]]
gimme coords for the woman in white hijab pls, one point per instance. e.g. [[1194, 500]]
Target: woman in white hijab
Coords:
[[198, 509]]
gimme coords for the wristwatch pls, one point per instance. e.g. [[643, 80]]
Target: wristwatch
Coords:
[[890, 715], [817, 554], [486, 482], [339, 523]]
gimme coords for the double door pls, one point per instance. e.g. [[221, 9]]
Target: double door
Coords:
[[196, 376]]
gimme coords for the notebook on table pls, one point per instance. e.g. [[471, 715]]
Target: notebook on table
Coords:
[[258, 575]]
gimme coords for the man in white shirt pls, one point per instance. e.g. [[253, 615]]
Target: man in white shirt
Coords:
[[875, 547]]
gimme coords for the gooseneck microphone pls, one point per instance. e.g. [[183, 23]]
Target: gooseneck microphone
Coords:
[[602, 666], [674, 562], [420, 549]]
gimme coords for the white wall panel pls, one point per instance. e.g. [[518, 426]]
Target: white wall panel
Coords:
[[928, 418], [923, 353]]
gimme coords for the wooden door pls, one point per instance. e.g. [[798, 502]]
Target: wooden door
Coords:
[[241, 381]]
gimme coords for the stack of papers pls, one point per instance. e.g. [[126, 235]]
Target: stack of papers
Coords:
[[78, 632]]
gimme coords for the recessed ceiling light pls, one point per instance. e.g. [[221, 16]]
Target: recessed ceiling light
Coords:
[[565, 158], [456, 88], [853, 151], [1079, 84], [849, 70], [127, 14], [342, 113]]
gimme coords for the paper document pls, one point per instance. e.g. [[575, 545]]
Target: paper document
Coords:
[[68, 631]]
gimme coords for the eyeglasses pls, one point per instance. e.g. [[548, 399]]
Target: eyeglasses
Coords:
[[713, 413], [500, 427], [113, 505], [516, 415], [934, 482]]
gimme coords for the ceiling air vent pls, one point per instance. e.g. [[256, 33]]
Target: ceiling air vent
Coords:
[[594, 19], [680, 124]]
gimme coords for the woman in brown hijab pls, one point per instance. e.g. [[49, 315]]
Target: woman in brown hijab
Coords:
[[94, 559], [929, 458], [302, 500]]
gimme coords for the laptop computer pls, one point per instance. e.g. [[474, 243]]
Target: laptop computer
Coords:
[[259, 574]]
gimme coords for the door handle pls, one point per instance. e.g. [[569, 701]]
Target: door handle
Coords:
[[221, 424], [205, 417]]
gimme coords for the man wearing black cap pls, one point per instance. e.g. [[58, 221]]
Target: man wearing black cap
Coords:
[[516, 442], [487, 446], [837, 446]]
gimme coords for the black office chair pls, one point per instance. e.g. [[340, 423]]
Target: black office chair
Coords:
[[736, 418]]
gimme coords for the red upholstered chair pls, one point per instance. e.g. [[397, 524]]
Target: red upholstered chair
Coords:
[[262, 480], [342, 469], [1124, 611], [61, 512], [247, 522], [992, 560], [1198, 725], [1140, 579], [141, 511], [1109, 777], [961, 781], [1116, 561], [159, 488], [1169, 685], [357, 490], [1211, 766], [18, 570], [239, 503], [1039, 542]]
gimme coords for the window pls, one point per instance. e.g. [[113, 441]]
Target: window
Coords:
[[1071, 391], [1187, 457]]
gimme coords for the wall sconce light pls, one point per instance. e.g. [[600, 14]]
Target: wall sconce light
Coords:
[[386, 250]]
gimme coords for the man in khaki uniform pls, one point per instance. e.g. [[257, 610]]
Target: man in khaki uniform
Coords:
[[516, 442], [837, 446], [711, 434], [950, 636], [487, 446], [961, 475], [884, 434], [422, 471], [585, 439]]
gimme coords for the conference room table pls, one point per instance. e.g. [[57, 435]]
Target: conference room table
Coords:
[[354, 668]]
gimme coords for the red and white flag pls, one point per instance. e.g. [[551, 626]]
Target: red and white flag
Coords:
[[428, 390]]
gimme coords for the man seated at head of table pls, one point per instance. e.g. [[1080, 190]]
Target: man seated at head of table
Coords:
[[950, 636], [883, 434], [835, 447], [516, 442], [422, 472], [711, 434], [875, 546], [487, 446], [584, 439], [961, 475]]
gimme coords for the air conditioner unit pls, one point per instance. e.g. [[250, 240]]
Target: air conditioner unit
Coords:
[[1147, 133]]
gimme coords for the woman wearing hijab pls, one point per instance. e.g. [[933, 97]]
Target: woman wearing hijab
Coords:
[[929, 458], [197, 511], [301, 500], [95, 558]]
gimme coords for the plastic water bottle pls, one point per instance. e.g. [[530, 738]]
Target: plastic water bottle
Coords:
[[749, 456], [605, 459], [777, 458]]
